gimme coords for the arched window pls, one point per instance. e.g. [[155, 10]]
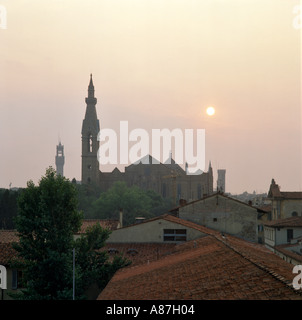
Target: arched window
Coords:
[[90, 143], [294, 214]]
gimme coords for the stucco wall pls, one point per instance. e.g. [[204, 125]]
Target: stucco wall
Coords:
[[281, 234], [276, 236], [151, 231], [223, 214], [290, 206]]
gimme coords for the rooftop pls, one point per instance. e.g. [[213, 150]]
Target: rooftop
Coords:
[[106, 224], [219, 194], [285, 222], [286, 249], [7, 236], [139, 253], [211, 267], [274, 192], [6, 253]]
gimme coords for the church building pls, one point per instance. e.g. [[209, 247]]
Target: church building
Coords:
[[167, 179]]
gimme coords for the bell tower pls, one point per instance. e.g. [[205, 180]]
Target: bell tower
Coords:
[[60, 159], [90, 144]]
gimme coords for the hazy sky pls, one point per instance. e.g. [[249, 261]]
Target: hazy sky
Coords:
[[157, 64]]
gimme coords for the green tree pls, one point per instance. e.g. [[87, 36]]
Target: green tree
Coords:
[[133, 200], [87, 194], [8, 208], [92, 264], [47, 220]]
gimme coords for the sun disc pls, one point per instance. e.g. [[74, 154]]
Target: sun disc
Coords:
[[210, 111]]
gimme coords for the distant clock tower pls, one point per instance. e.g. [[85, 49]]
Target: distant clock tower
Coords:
[[60, 159]]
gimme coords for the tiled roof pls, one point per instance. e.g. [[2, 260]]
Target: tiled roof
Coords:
[[7, 236], [274, 192], [211, 267], [139, 253], [266, 207], [286, 222], [217, 194], [285, 249], [6, 253], [106, 224], [172, 218], [291, 194]]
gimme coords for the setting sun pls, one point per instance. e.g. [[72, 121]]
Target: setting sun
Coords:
[[210, 111]]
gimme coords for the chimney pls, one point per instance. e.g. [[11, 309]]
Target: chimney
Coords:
[[121, 218]]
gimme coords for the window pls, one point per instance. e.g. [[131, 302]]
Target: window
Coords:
[[132, 252], [175, 235], [294, 214], [214, 219], [290, 234], [90, 143], [112, 251]]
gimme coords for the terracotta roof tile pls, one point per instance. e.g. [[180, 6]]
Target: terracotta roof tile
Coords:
[[7, 236], [139, 253], [291, 194], [285, 249], [106, 224], [285, 222], [180, 221], [274, 192], [212, 267], [6, 253]]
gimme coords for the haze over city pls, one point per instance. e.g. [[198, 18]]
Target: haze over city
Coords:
[[156, 64]]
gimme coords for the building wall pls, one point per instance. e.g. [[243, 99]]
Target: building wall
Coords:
[[151, 232], [269, 236], [223, 214], [6, 292], [289, 206], [284, 208], [281, 234], [276, 236], [158, 177], [287, 258]]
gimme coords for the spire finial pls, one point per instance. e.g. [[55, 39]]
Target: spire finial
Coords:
[[90, 83], [91, 88]]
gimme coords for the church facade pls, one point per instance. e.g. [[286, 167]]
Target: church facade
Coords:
[[167, 179]]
